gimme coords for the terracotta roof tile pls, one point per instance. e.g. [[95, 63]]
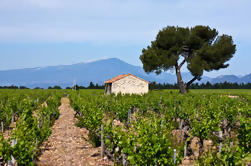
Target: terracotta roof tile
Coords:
[[122, 76]]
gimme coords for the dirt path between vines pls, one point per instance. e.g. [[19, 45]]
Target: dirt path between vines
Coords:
[[66, 146]]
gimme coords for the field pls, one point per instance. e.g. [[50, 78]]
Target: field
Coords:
[[205, 127]]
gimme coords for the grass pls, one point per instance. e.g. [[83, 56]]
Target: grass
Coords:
[[223, 91]]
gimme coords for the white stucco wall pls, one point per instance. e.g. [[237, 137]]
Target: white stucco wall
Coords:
[[131, 85]]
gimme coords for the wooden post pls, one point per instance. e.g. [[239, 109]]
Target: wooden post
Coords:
[[12, 162], [174, 156], [12, 118], [185, 150], [129, 116], [134, 116], [181, 124], [124, 160], [161, 125], [102, 141], [2, 127], [221, 138], [185, 131]]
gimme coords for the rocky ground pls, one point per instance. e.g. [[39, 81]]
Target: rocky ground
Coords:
[[66, 146]]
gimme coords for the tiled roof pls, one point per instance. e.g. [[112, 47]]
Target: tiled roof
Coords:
[[123, 76]]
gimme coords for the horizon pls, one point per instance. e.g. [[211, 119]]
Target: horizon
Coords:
[[50, 33]]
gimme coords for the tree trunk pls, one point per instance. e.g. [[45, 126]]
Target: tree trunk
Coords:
[[181, 84]]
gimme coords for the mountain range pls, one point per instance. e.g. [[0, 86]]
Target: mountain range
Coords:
[[96, 72]]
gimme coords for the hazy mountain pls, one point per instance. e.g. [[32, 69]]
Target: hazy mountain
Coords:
[[246, 78], [97, 72], [232, 79], [226, 78], [81, 73]]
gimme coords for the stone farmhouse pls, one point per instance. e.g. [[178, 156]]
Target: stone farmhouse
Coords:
[[126, 84]]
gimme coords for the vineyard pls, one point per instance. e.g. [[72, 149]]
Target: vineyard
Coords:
[[28, 115], [158, 128]]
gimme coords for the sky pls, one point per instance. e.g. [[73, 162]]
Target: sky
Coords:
[[37, 33]]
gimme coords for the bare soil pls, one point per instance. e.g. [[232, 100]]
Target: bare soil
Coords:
[[6, 134], [233, 96], [67, 145]]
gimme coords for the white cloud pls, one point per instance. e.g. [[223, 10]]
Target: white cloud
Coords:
[[128, 21], [97, 59]]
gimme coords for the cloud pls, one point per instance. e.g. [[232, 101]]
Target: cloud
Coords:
[[116, 21], [97, 59]]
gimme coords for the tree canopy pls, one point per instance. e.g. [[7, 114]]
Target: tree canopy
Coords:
[[200, 47]]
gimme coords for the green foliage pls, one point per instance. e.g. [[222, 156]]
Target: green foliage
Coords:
[[145, 143], [230, 155], [25, 134], [5, 150], [244, 134], [148, 139], [200, 46], [92, 117], [31, 130]]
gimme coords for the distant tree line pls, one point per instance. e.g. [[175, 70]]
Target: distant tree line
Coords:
[[208, 85], [153, 85], [54, 87], [13, 87], [91, 86], [77, 87]]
